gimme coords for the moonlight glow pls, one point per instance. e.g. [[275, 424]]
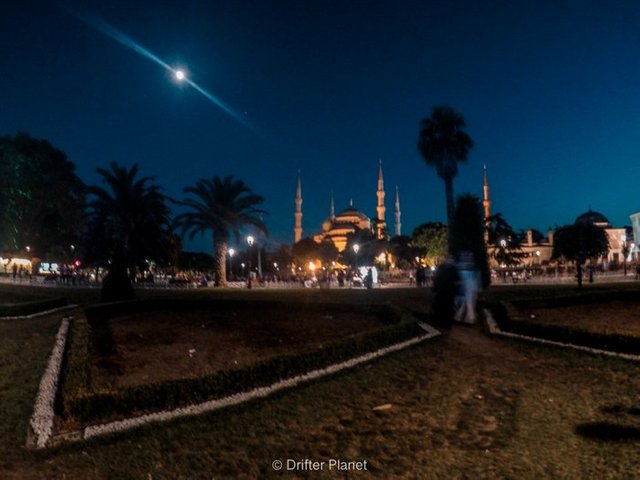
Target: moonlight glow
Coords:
[[112, 32]]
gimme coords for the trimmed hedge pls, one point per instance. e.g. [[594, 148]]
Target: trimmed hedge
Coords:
[[508, 317], [75, 372], [90, 406], [29, 308]]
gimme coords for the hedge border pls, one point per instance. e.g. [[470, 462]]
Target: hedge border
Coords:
[[509, 319], [79, 402], [261, 392], [494, 329]]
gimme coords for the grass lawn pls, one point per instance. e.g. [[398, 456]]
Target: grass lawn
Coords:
[[464, 406]]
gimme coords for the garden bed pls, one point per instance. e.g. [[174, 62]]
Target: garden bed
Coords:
[[166, 345], [174, 356]]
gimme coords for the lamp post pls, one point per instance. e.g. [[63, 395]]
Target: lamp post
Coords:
[[383, 260], [250, 241], [625, 252], [356, 248], [232, 252]]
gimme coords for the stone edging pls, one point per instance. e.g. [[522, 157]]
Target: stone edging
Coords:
[[41, 423], [235, 399], [39, 314], [494, 329]]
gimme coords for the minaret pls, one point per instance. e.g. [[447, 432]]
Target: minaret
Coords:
[[332, 209], [297, 229], [486, 203], [380, 224], [397, 214]]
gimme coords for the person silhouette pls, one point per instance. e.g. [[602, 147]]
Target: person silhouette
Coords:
[[445, 288]]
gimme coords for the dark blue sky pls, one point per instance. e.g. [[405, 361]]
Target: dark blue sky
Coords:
[[550, 91]]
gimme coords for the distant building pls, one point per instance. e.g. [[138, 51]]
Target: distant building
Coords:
[[635, 240], [337, 227], [538, 249]]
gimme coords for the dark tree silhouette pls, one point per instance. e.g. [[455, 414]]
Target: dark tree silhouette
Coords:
[[221, 206], [443, 144], [41, 198], [505, 241], [129, 220], [579, 242], [369, 247], [403, 250]]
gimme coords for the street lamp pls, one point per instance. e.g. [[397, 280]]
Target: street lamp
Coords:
[[383, 259], [232, 252], [356, 248], [625, 252], [250, 242]]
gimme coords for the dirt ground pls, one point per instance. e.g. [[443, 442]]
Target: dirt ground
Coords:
[[158, 346], [615, 317]]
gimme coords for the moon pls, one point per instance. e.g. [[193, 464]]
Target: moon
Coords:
[[180, 75]]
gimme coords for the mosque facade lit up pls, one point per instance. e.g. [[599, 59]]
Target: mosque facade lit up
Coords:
[[337, 227], [537, 249]]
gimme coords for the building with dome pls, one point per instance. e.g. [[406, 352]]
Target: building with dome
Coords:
[[538, 249], [619, 238], [337, 227]]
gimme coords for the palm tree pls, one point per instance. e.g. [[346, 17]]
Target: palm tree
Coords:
[[222, 206], [131, 220], [443, 144]]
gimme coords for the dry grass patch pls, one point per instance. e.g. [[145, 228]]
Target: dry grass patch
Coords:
[[157, 346]]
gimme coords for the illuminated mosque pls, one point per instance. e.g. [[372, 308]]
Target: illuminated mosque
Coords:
[[537, 248], [337, 227]]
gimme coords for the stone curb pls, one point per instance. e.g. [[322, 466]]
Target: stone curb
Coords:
[[41, 423], [40, 314]]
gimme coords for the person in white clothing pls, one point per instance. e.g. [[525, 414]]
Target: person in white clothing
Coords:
[[469, 286]]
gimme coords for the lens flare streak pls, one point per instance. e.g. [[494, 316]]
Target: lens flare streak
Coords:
[[126, 41]]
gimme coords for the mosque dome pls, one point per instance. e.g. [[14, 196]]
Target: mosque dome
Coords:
[[349, 214], [595, 218]]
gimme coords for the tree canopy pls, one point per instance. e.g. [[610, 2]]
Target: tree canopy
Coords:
[[579, 242], [431, 241], [41, 198], [505, 241], [307, 250]]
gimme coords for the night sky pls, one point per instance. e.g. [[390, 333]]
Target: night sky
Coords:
[[550, 91]]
